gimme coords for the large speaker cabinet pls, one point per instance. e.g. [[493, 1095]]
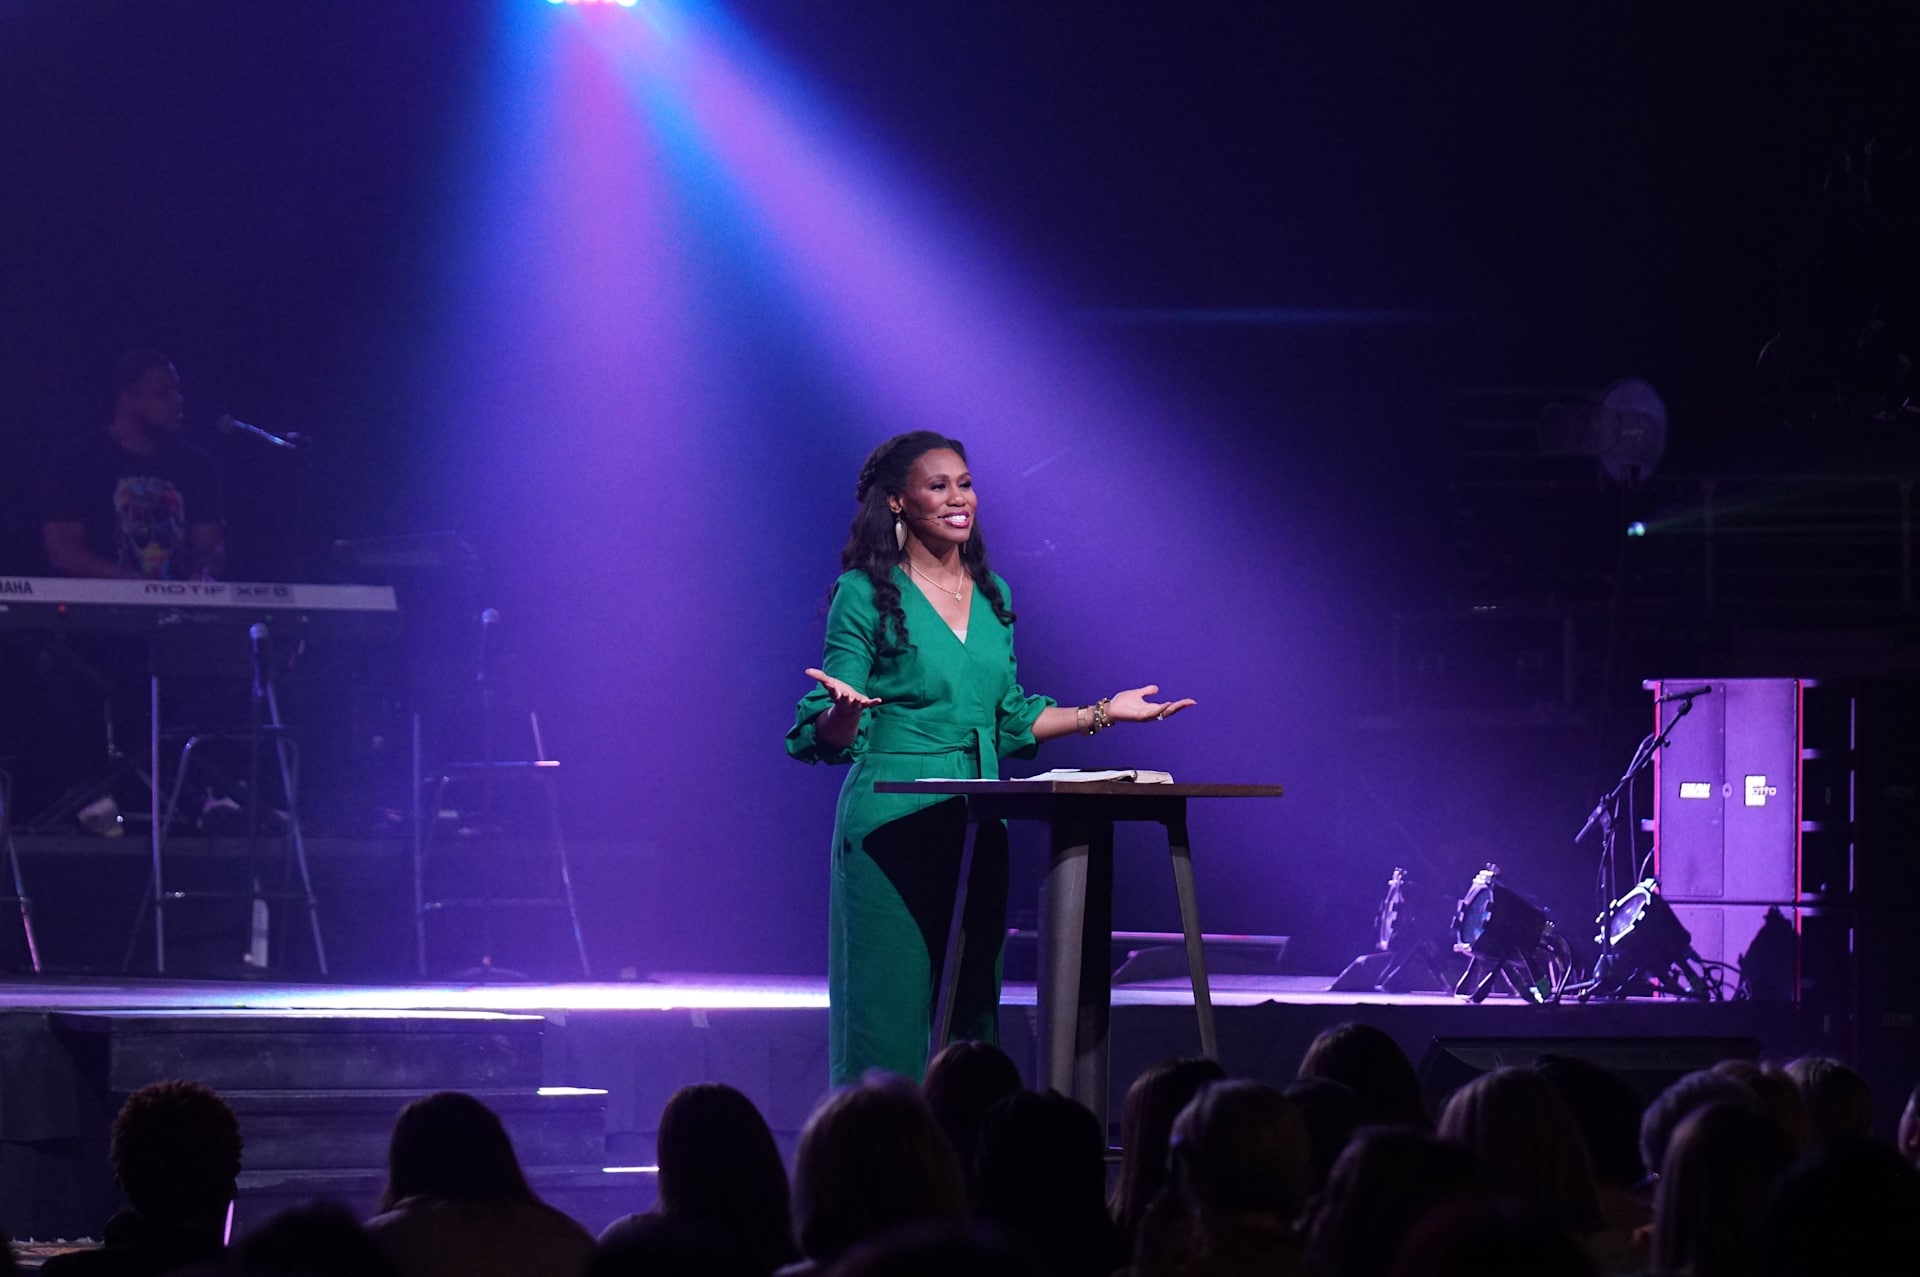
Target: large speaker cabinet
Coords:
[[1727, 819], [1803, 795]]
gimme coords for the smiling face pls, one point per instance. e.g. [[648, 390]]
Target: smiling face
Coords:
[[938, 502]]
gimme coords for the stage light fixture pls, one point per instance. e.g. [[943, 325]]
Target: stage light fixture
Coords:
[[1645, 948], [624, 4], [1504, 934], [1644, 930]]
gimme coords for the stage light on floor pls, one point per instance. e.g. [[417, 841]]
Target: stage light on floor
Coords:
[[1504, 934], [1646, 949], [1643, 930]]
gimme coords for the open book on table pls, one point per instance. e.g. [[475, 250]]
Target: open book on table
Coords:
[[1139, 775]]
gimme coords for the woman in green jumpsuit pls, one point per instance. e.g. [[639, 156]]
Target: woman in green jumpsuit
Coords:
[[919, 680]]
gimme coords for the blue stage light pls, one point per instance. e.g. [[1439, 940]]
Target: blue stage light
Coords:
[[1636, 529]]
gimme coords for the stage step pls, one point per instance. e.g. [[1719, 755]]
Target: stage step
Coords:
[[590, 1194], [334, 1130], [418, 1051], [317, 1092]]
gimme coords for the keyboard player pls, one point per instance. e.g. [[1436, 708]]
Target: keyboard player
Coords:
[[135, 500]]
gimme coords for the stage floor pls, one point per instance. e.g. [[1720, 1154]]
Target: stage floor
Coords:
[[669, 992]]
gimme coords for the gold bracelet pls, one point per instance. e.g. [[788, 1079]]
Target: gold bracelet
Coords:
[[1101, 722]]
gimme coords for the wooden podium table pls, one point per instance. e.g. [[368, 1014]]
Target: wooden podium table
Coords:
[[1076, 909]]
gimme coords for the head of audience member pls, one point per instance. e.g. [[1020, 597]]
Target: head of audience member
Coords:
[[1238, 1173], [1721, 1165], [720, 1167], [1779, 1099], [1382, 1185], [1490, 1239], [871, 1159], [939, 1250], [1907, 1136], [654, 1245], [1146, 1124], [1839, 1102], [451, 1146], [1607, 1111], [1331, 1112], [963, 1081], [322, 1240], [1043, 1179], [1372, 1063], [1671, 1106], [1532, 1146], [1240, 1148], [1850, 1206], [176, 1151]]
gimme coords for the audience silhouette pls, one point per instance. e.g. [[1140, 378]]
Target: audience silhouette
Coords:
[[1042, 1176], [457, 1204], [1239, 1170], [1146, 1127], [1758, 1171], [871, 1159], [1369, 1061], [175, 1150], [324, 1240], [1382, 1185], [721, 1173], [963, 1081]]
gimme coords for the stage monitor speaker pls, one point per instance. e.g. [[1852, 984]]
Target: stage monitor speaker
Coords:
[[1649, 1065]]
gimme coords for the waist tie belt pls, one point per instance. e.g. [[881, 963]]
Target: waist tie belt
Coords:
[[887, 735]]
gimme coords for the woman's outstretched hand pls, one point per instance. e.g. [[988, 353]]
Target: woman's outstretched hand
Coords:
[[1132, 706], [845, 698]]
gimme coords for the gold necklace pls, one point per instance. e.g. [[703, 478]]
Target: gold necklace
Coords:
[[957, 594]]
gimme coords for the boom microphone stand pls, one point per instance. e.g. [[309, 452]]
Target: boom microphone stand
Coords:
[[1607, 979]]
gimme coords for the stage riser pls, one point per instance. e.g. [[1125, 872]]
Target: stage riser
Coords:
[[778, 1058], [293, 1131], [245, 1053]]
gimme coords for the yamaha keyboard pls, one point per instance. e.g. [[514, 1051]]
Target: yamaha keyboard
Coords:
[[78, 603]]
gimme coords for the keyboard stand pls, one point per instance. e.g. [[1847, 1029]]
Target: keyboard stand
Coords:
[[19, 896], [266, 727]]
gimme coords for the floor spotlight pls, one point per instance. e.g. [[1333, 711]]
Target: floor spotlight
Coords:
[[1506, 936], [1646, 949]]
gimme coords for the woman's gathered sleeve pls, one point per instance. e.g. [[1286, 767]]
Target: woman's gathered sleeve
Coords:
[[1017, 710], [849, 657]]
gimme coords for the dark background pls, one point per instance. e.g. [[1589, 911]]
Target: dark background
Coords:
[[1338, 257]]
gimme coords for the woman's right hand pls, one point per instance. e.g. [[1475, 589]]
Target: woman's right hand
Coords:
[[846, 700]]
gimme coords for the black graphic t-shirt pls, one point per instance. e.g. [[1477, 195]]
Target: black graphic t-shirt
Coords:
[[136, 509]]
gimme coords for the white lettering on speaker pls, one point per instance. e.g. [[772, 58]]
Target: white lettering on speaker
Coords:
[[1758, 791], [1696, 789]]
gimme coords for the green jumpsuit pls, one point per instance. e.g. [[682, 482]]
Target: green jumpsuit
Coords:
[[949, 709]]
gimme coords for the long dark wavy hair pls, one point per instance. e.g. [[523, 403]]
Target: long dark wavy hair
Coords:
[[871, 547], [453, 1146]]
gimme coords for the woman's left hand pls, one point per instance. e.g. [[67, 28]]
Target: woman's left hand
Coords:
[[1132, 706]]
